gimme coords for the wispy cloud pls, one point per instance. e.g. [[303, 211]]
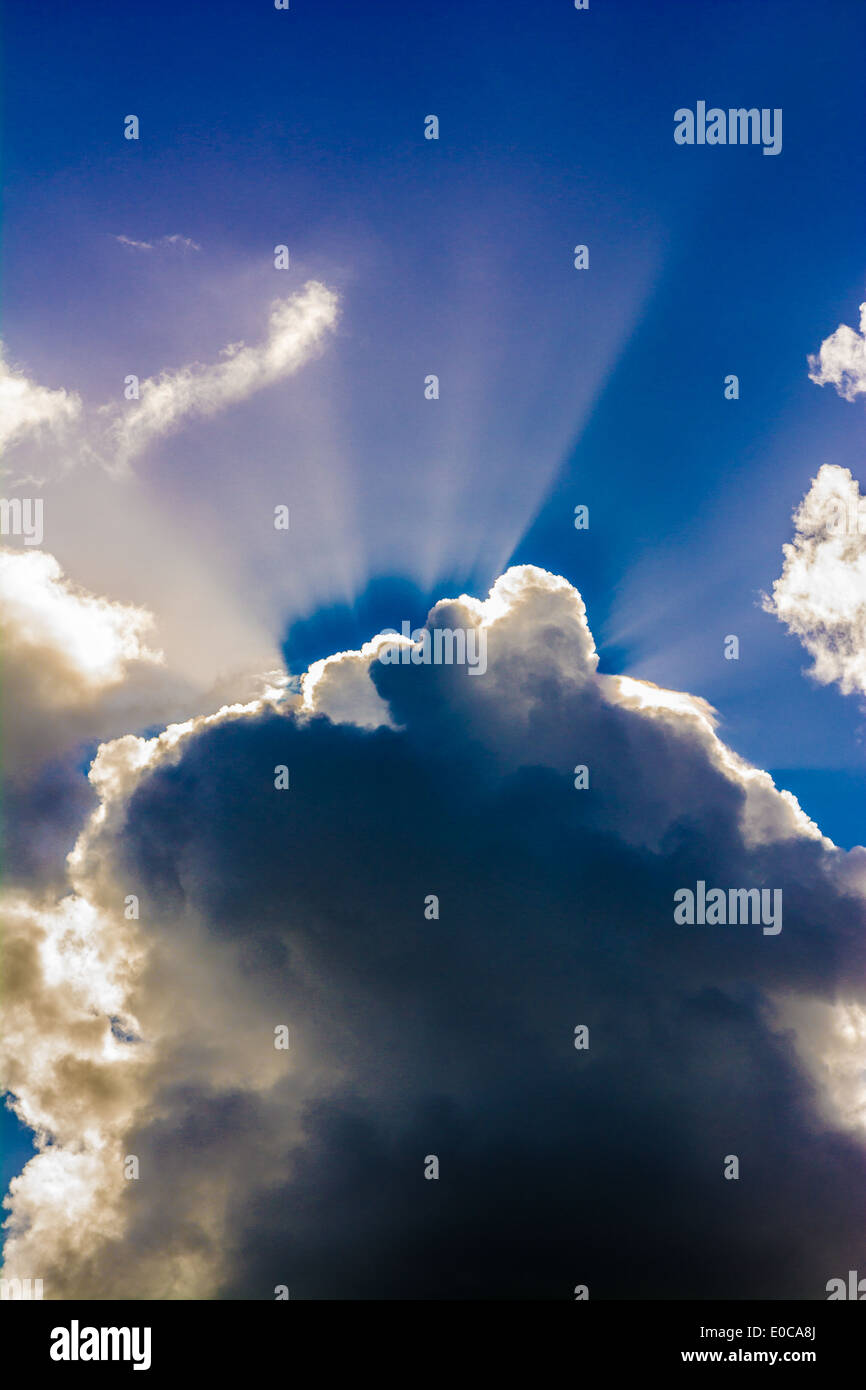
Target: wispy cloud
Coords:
[[296, 329], [175, 239], [186, 242], [118, 432]]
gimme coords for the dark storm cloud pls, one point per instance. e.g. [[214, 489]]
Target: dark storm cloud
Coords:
[[455, 1037], [41, 818]]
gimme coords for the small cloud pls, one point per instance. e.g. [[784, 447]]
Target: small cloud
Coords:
[[136, 245], [820, 595], [841, 360], [184, 242]]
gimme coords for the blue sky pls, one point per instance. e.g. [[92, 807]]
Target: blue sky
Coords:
[[558, 387]]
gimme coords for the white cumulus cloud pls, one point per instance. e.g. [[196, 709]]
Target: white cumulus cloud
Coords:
[[820, 595], [64, 650], [28, 409], [841, 360]]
